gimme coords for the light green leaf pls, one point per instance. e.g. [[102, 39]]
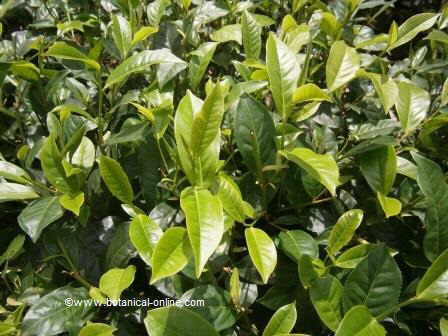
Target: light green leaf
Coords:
[[142, 62], [170, 254], [116, 280], [375, 282], [144, 234], [72, 202], [13, 250], [359, 322], [235, 287], [206, 123], [391, 206], [97, 329], [323, 168], [412, 26], [342, 65], [64, 51], [326, 296], [343, 231], [171, 321], [84, 156], [310, 92], [228, 33], [38, 215], [353, 256], [251, 36], [156, 10], [444, 95], [296, 243], [282, 321], [406, 168], [434, 283], [262, 251], [283, 71], [205, 223], [116, 179], [230, 195], [200, 60], [16, 192], [444, 326], [122, 34], [143, 33], [379, 167], [412, 105]]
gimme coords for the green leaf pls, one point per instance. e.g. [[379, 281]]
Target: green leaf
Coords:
[[343, 231], [323, 168], [205, 223], [97, 329], [64, 51], [206, 123], [156, 10], [307, 270], [359, 322], [255, 134], [141, 62], [262, 251], [232, 201], [50, 315], [310, 92], [444, 326], [116, 179], [72, 202], [379, 168], [283, 71], [342, 65], [282, 321], [326, 296], [412, 26], [16, 192], [228, 33], [432, 182], [444, 95], [38, 215], [375, 283], [170, 254], [296, 243], [200, 60], [391, 206], [122, 34], [144, 234], [14, 248], [412, 106], [13, 173], [434, 283], [251, 36], [170, 321], [116, 280]]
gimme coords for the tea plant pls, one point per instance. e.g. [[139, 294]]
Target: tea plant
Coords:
[[284, 161]]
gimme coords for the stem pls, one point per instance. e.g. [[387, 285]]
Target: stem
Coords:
[[397, 307], [74, 271]]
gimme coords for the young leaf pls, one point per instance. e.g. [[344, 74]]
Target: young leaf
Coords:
[[310, 92], [326, 296], [358, 321], [444, 326], [72, 202], [375, 283], [200, 60], [144, 234], [391, 206], [122, 35], [171, 253], [177, 321], [251, 36], [412, 106], [116, 179], [282, 321], [38, 215], [283, 71], [142, 34], [235, 287], [343, 231], [228, 33], [412, 26], [205, 223], [116, 280], [97, 329], [65, 51], [262, 251], [323, 168], [342, 65], [353, 256], [84, 156]]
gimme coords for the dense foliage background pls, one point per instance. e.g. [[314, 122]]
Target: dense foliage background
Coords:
[[285, 161]]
